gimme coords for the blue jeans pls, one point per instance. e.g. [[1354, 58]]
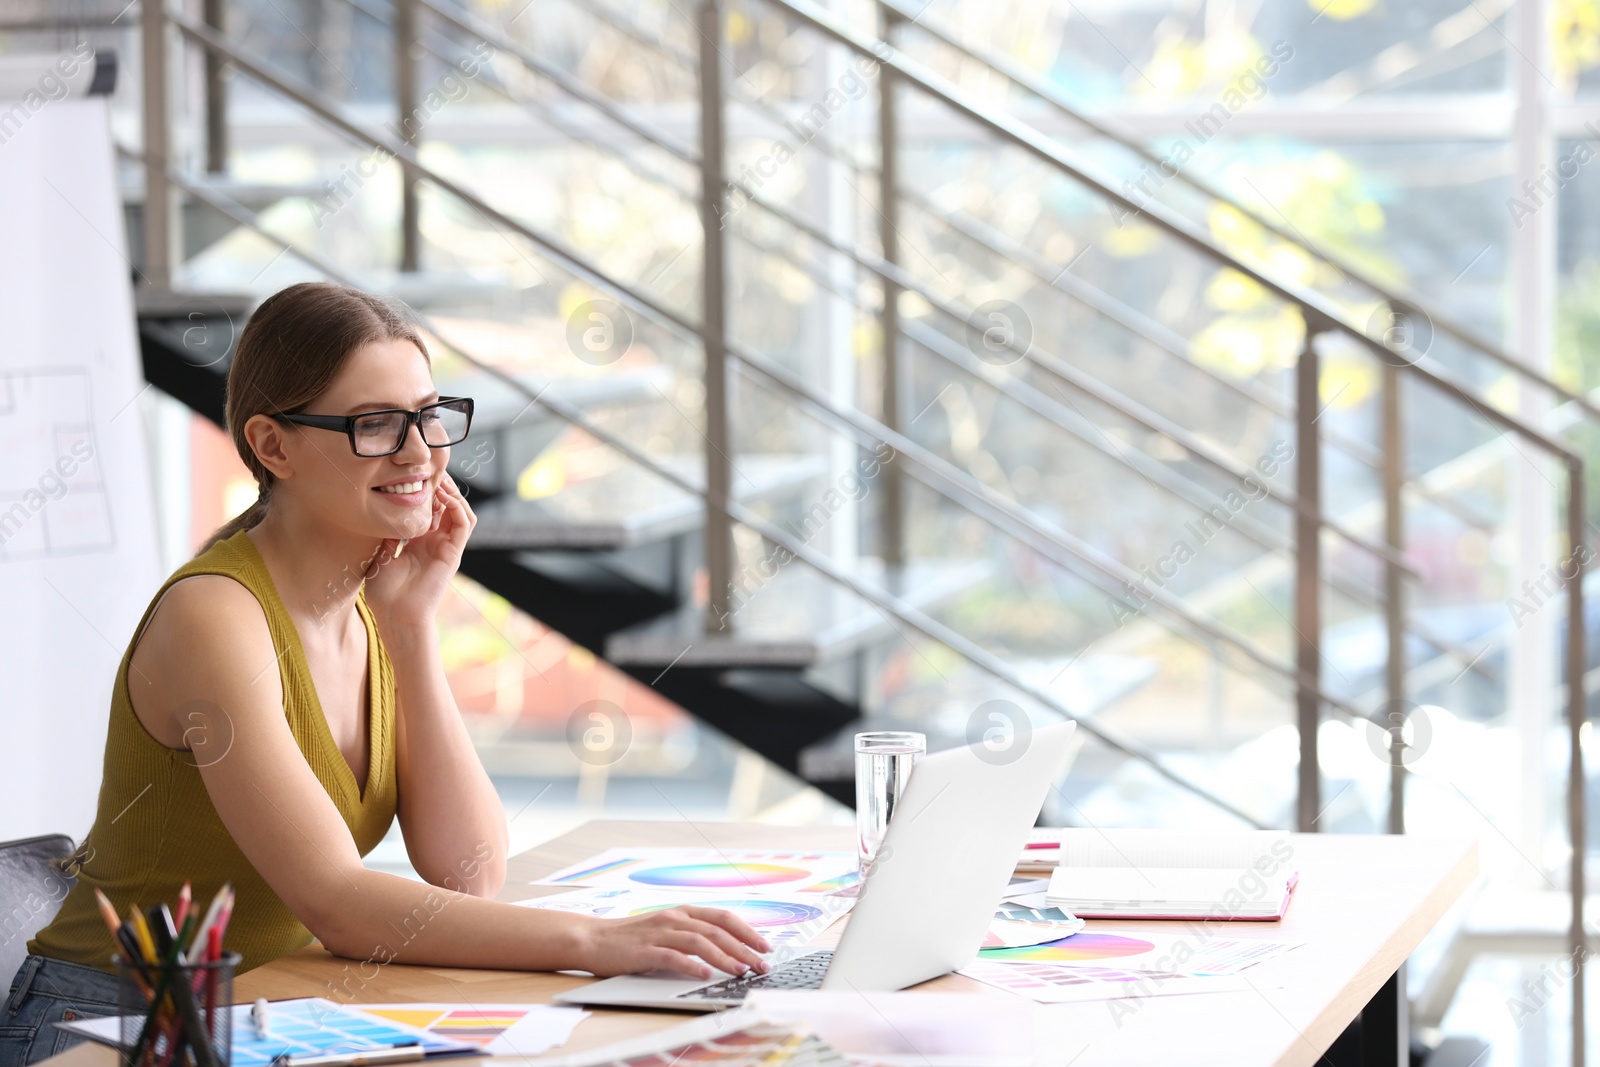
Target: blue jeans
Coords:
[[44, 992]]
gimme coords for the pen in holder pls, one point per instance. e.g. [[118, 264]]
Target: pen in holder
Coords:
[[176, 1014]]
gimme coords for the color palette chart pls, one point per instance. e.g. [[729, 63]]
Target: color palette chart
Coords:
[[1074, 948], [306, 1027], [742, 872], [1015, 926], [493, 1029], [1195, 954], [1098, 963], [781, 920]]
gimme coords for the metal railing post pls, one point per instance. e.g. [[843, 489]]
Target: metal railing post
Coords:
[[713, 185], [1394, 475], [405, 93], [214, 14], [1577, 715], [1308, 573], [158, 216], [895, 398]]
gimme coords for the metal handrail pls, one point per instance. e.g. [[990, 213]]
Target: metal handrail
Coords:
[[1325, 313], [571, 86], [1154, 472], [1391, 294], [882, 599], [1123, 315], [547, 114], [487, 33], [1159, 335], [1090, 296], [1060, 368], [949, 479], [1085, 293], [1165, 479], [1103, 303]]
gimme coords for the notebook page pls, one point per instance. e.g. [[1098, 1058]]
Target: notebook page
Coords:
[[1174, 848]]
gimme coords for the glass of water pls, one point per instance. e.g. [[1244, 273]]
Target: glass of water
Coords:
[[884, 759]]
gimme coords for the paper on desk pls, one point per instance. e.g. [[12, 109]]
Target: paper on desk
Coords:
[[910, 1029], [736, 1038], [497, 1029], [1100, 963], [740, 872], [1053, 983], [782, 920], [1103, 945]]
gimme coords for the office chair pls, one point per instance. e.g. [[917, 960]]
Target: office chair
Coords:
[[34, 880]]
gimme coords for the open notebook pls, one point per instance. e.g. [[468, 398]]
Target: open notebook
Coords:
[[1173, 874]]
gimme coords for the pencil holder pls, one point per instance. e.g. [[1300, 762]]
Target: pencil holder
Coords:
[[176, 1015]]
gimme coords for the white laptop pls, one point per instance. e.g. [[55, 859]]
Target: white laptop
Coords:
[[923, 912]]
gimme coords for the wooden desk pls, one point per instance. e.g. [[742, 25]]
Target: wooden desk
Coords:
[[1363, 904]]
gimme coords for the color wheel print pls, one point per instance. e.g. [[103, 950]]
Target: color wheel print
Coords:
[[719, 875], [759, 913], [1078, 947]]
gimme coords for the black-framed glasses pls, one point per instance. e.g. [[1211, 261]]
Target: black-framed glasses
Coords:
[[383, 433]]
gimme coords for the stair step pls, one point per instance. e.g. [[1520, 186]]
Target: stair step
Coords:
[[797, 619], [256, 196], [630, 505], [178, 304]]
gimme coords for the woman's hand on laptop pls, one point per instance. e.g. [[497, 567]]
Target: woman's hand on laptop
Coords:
[[668, 939]]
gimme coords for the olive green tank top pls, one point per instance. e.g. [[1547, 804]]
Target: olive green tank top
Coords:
[[156, 828]]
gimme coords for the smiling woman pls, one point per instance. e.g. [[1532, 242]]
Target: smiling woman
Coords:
[[283, 700]]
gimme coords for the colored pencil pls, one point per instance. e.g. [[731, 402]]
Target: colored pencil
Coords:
[[213, 953], [141, 930], [107, 912], [227, 912], [204, 930], [185, 898]]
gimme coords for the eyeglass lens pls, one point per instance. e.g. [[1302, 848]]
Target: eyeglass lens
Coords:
[[384, 432]]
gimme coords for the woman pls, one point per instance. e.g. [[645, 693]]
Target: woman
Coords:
[[283, 699]]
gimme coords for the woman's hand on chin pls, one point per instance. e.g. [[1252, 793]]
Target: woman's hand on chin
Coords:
[[408, 578]]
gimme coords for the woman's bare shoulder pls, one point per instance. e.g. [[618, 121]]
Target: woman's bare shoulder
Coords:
[[207, 635]]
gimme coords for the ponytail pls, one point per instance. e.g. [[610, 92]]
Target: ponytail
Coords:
[[247, 519]]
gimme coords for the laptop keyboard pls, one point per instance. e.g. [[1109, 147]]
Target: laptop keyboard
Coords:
[[802, 972]]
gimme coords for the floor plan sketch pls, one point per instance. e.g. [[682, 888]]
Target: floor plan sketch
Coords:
[[53, 499]]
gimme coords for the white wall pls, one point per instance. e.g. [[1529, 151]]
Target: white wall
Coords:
[[78, 556]]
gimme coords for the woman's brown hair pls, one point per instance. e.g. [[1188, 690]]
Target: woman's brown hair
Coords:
[[291, 350]]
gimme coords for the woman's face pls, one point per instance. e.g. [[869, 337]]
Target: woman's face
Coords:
[[382, 496]]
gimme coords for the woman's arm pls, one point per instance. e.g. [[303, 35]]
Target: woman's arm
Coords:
[[205, 668], [454, 826]]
